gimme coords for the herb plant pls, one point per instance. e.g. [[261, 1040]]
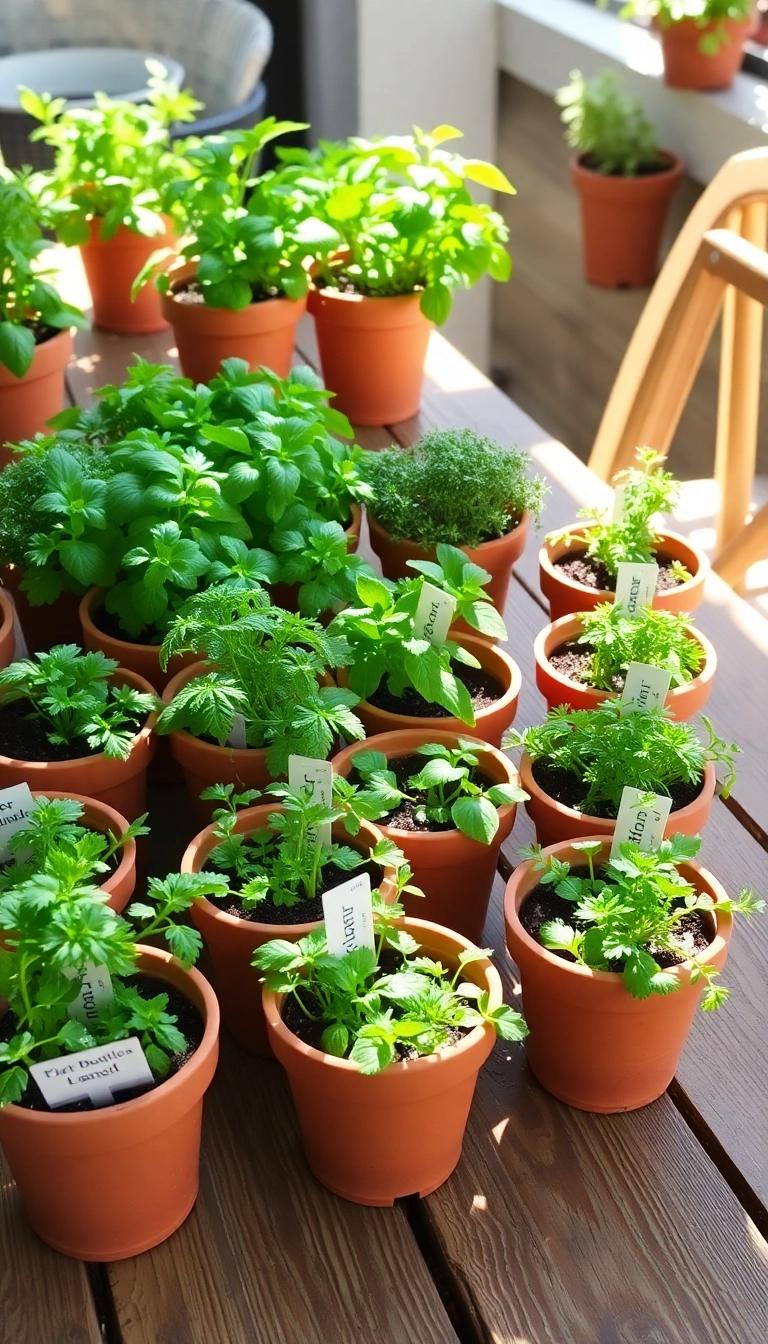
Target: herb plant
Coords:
[[53, 828], [452, 486], [402, 215], [611, 747], [315, 556], [607, 126], [626, 918], [70, 692], [373, 1016], [702, 12], [446, 781], [653, 636], [265, 666]]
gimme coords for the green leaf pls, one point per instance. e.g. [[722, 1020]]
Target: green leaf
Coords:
[[476, 818], [335, 1040], [87, 563], [487, 175], [373, 592], [17, 347]]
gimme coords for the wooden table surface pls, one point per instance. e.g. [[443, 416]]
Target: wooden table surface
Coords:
[[558, 1227]]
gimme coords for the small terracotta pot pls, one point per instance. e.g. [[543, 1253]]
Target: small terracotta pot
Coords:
[[111, 268], [232, 941], [565, 595], [490, 724], [141, 658], [120, 784], [555, 822], [686, 67], [372, 353], [372, 1139], [286, 595], [455, 873], [263, 333], [7, 632], [44, 626], [682, 701], [109, 1184], [591, 1044], [622, 220], [99, 817], [28, 403]]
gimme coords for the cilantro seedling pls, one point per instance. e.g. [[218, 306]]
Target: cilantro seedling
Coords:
[[53, 828], [654, 636]]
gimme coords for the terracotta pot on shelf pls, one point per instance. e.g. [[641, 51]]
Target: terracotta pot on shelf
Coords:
[[111, 1183], [7, 630], [232, 942], [29, 402], [682, 701], [47, 625], [687, 67], [141, 658], [372, 353], [490, 724], [565, 595], [555, 822], [111, 268], [120, 884], [373, 1139], [120, 784], [592, 1044], [263, 333], [622, 221], [455, 873]]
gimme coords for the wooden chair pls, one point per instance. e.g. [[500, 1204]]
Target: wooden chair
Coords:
[[718, 264]]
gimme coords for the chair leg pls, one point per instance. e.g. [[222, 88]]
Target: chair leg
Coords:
[[745, 549]]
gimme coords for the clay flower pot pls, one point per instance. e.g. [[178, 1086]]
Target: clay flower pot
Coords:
[[622, 220], [455, 873], [111, 268], [555, 822], [111, 1183], [372, 1139], [591, 1044], [98, 816], [490, 723], [565, 595], [372, 353], [497, 557], [47, 625], [7, 632], [687, 67], [232, 941], [120, 784], [141, 658], [263, 333], [28, 403], [682, 701]]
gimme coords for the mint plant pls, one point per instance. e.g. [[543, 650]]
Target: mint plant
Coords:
[[608, 127], [53, 828], [452, 486], [653, 636], [316, 557], [69, 691], [612, 747], [374, 1016], [628, 918]]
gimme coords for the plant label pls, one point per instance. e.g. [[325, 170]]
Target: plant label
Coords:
[[236, 737], [645, 687], [635, 587], [641, 820], [306, 771], [349, 916], [434, 615], [619, 499], [94, 1074], [15, 805], [95, 994]]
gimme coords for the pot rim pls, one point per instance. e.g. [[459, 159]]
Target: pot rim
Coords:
[[120, 825], [495, 544], [551, 550], [9, 613], [55, 352], [273, 1004], [184, 270], [87, 603], [562, 809], [673, 169]]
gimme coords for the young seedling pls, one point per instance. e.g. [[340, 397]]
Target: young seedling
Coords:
[[52, 828], [608, 127], [653, 636]]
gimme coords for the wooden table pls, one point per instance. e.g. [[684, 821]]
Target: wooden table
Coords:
[[558, 1227]]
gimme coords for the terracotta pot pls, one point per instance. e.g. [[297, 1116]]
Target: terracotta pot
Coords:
[[555, 822], [232, 941], [47, 625], [372, 1139], [682, 701], [497, 557], [111, 268], [372, 353], [7, 631], [109, 1184], [263, 333], [120, 784], [491, 723], [686, 67], [286, 595], [455, 873], [141, 658], [28, 403], [565, 595], [622, 220], [591, 1043], [97, 816]]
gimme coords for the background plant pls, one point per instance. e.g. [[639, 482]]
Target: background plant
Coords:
[[653, 636], [702, 12], [452, 486], [607, 126]]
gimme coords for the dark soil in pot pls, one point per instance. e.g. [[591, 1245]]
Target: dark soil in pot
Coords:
[[572, 660], [565, 788], [25, 739], [346, 284], [189, 1023], [191, 292], [41, 332], [110, 625], [303, 911], [581, 568], [483, 688], [402, 817]]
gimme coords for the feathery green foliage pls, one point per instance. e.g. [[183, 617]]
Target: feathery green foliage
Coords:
[[607, 126], [654, 636]]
